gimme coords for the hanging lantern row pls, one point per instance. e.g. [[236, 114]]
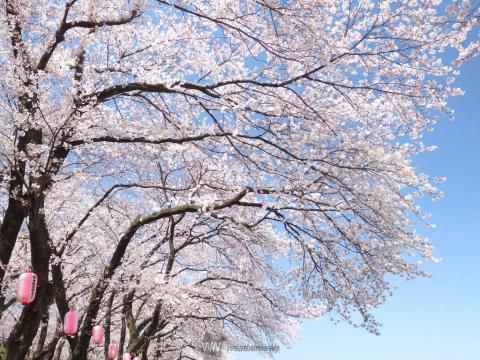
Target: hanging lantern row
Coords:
[[70, 327], [27, 288], [26, 291]]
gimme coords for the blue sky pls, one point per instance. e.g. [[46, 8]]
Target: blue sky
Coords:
[[436, 318]]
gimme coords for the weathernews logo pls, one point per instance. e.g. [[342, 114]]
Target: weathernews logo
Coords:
[[216, 345]]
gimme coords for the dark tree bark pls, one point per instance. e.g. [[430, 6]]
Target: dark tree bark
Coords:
[[16, 213], [26, 328], [43, 334], [123, 334], [108, 322], [14, 216], [143, 342], [30, 204]]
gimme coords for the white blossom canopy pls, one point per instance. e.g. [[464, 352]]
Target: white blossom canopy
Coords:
[[178, 168]]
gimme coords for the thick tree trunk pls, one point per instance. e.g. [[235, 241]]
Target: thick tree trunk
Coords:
[[123, 334], [43, 335], [15, 213], [108, 323], [13, 219], [81, 348], [12, 222], [24, 332]]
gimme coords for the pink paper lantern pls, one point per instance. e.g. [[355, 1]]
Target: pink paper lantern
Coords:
[[97, 334], [70, 322], [112, 351], [26, 287], [127, 356]]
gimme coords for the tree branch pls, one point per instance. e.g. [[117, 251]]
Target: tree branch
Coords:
[[65, 26], [144, 140]]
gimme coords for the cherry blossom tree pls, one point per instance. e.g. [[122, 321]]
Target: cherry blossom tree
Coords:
[[174, 168]]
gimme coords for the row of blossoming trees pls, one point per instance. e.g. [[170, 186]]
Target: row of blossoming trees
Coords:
[[176, 168]]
